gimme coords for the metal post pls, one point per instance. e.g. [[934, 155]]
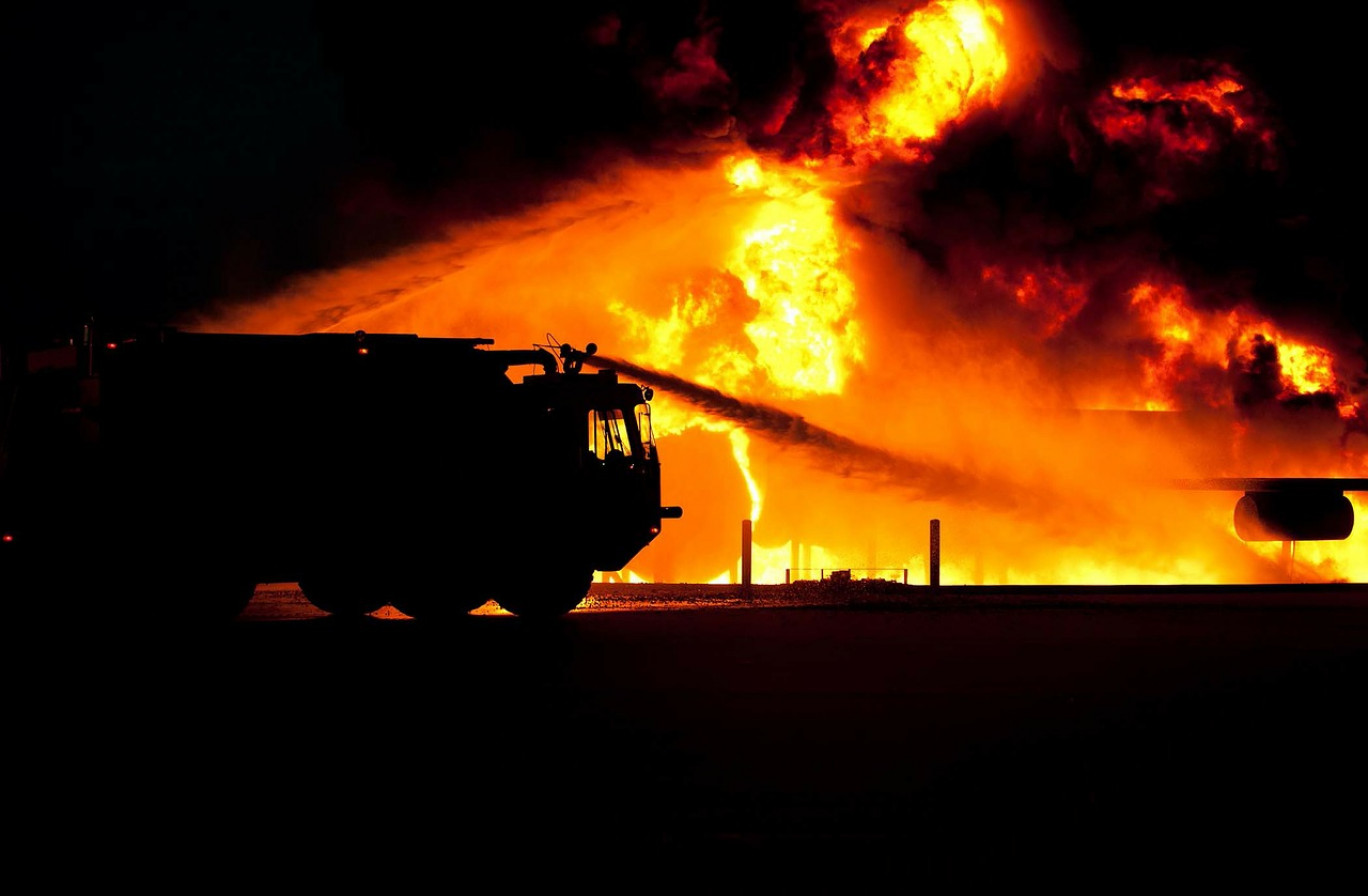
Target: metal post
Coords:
[[745, 552], [933, 575]]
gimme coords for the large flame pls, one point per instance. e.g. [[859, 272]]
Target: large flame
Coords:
[[910, 75], [813, 361], [1234, 340]]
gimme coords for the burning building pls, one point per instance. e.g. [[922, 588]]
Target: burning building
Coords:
[[929, 266]]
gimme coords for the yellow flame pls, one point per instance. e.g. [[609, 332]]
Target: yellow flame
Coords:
[[790, 259], [1190, 337], [948, 58], [784, 275], [694, 305], [740, 443], [744, 173], [1306, 368]]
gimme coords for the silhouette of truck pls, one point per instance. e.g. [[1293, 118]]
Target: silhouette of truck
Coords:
[[178, 470]]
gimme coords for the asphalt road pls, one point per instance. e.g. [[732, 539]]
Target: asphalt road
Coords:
[[1101, 742]]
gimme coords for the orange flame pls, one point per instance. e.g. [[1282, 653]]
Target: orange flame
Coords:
[[790, 260], [1186, 116], [909, 77], [1189, 339], [1049, 291]]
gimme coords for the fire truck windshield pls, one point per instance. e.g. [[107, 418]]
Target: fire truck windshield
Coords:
[[609, 431]]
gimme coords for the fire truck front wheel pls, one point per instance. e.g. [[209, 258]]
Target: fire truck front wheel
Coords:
[[545, 594], [343, 595]]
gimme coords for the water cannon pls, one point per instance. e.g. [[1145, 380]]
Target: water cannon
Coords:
[[573, 359]]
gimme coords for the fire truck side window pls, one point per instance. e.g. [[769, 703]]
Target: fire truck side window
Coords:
[[608, 432]]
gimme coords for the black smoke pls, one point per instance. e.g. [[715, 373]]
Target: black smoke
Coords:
[[163, 157]]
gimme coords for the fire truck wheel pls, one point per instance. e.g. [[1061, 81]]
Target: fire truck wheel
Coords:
[[224, 601], [343, 596], [169, 599], [547, 595]]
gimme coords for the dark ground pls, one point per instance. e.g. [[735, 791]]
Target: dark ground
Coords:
[[1152, 737]]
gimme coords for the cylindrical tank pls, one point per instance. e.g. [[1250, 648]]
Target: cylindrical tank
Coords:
[[1294, 516]]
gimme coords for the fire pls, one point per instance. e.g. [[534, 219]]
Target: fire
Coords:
[[1136, 110], [1308, 369], [1050, 291], [910, 76], [883, 383], [790, 259], [782, 281], [1187, 114], [740, 443], [1235, 340]]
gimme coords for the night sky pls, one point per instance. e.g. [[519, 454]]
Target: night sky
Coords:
[[161, 158]]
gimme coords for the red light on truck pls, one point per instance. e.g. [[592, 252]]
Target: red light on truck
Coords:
[[6, 538]]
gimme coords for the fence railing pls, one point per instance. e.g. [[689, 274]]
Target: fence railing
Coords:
[[888, 574]]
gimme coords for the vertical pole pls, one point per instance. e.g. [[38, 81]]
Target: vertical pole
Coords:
[[745, 552], [793, 557], [933, 576]]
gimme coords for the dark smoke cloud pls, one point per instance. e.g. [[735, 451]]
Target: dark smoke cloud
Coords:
[[166, 157]]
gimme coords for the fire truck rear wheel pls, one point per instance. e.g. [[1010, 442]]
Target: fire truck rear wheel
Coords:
[[547, 595]]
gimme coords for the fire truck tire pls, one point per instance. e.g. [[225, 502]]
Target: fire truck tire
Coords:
[[547, 595], [224, 601], [343, 596], [172, 598]]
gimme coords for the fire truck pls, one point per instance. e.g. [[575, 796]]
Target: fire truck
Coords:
[[178, 470]]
